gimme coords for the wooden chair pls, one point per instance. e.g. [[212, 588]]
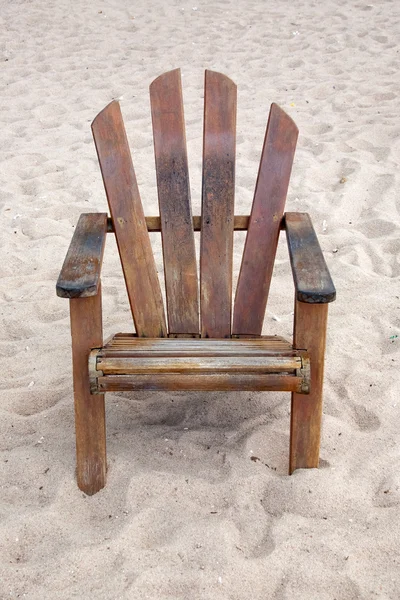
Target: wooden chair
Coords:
[[182, 353]]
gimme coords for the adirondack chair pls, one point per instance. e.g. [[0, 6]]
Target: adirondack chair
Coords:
[[203, 347]]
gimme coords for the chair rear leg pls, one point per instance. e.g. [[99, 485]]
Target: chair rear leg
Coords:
[[86, 331], [305, 423]]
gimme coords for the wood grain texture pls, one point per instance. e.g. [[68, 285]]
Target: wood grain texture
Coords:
[[129, 223], [125, 365], [127, 362], [305, 424], [203, 382], [174, 202], [86, 332], [262, 346], [265, 222], [240, 223], [312, 280], [80, 273], [218, 191]]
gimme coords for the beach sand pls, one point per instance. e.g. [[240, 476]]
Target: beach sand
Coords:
[[186, 513]]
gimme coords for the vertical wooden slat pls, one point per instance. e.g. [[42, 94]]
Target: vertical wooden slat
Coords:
[[265, 220], [216, 248], [90, 427], [126, 209], [305, 423], [174, 201]]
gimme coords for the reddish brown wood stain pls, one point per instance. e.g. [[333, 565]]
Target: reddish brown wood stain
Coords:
[[174, 201], [90, 425], [218, 194], [129, 223], [306, 414], [265, 222]]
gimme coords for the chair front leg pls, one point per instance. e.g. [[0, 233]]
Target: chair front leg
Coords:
[[86, 331], [305, 424]]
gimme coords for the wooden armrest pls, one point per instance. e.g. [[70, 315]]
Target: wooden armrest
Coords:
[[312, 280], [80, 273]]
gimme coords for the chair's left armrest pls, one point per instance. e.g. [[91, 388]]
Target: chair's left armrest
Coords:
[[80, 273], [312, 280]]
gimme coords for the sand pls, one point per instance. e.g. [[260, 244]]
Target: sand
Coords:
[[186, 513]]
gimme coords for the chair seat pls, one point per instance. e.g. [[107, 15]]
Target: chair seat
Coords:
[[128, 362]]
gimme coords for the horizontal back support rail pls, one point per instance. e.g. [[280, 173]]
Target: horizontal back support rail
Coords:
[[241, 223]]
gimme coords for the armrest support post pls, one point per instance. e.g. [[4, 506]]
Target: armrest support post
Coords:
[[90, 424], [305, 422]]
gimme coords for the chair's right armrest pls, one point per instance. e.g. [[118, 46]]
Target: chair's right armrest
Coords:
[[80, 273], [312, 280]]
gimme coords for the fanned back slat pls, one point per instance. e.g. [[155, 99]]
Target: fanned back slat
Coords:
[[217, 216], [174, 201], [265, 220], [129, 223]]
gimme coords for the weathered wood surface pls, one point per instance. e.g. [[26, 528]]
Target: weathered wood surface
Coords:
[[305, 423], [80, 273], [240, 223], [86, 332], [129, 223], [312, 280], [125, 365], [265, 222], [218, 191], [268, 363], [174, 202], [261, 346], [200, 382]]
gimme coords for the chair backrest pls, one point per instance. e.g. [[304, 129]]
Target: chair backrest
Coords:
[[176, 222]]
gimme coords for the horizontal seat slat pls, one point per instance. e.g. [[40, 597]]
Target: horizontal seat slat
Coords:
[[130, 346], [132, 341], [169, 341], [195, 353], [195, 347], [191, 364], [200, 382]]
